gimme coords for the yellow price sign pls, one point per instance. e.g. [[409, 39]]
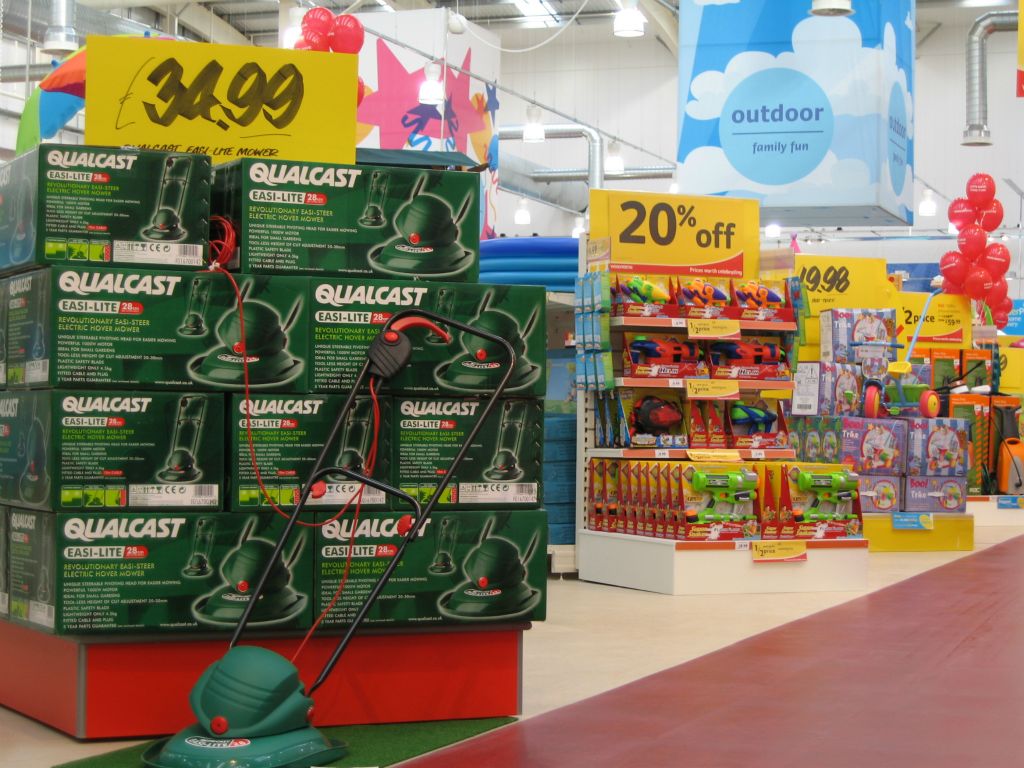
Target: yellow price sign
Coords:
[[712, 389], [678, 234], [843, 282], [717, 328], [225, 101], [779, 551], [947, 322], [713, 454]]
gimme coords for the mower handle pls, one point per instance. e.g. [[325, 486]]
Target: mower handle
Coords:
[[351, 474]]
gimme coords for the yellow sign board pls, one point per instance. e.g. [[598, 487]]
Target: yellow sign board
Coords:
[[843, 282], [779, 551], [222, 100], [680, 234], [712, 389], [713, 454], [947, 323], [713, 328], [1011, 361]]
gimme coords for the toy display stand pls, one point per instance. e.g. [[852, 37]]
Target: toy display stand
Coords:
[[997, 510], [717, 567], [135, 687], [950, 532]]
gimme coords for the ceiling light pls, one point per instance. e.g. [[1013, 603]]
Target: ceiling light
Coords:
[[456, 23], [533, 131], [629, 21], [579, 229], [831, 7], [431, 90], [772, 231], [522, 216], [613, 163], [538, 13], [927, 207]]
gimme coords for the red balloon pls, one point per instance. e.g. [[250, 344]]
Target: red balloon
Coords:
[[953, 267], [961, 213], [360, 92], [317, 41], [978, 283], [1000, 319], [990, 216], [981, 190], [302, 44], [347, 34], [1006, 305], [997, 294], [317, 19], [996, 259], [971, 241], [952, 289]]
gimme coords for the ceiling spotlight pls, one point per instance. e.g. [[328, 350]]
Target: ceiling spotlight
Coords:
[[613, 162], [456, 23], [927, 207], [772, 231], [431, 89], [522, 216], [831, 7], [533, 131], [629, 21]]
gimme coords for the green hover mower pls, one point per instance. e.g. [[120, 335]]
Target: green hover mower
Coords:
[[505, 465], [34, 485], [188, 427], [269, 362], [495, 586], [483, 363], [166, 222], [252, 709], [194, 323], [428, 239]]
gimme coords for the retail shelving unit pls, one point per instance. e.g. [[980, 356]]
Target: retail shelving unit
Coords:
[[676, 567]]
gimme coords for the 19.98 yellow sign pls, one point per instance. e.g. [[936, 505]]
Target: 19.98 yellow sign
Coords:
[[222, 100], [717, 236]]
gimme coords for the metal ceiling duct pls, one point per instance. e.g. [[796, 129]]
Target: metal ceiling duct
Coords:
[[517, 176], [977, 133], [60, 38], [595, 144], [18, 23]]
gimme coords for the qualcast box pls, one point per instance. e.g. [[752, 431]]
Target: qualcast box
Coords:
[[288, 433], [138, 572], [96, 451], [4, 565], [467, 567], [110, 328], [315, 218], [104, 207], [348, 314], [4, 289], [503, 467]]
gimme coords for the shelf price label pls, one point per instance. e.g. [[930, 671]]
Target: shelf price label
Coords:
[[222, 100], [712, 389], [713, 454], [717, 328], [781, 551], [840, 282], [912, 521], [678, 234]]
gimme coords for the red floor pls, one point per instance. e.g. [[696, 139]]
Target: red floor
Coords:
[[928, 673]]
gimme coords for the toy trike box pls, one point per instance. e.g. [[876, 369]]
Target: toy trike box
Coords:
[[827, 389], [935, 494], [881, 493], [938, 447], [855, 335]]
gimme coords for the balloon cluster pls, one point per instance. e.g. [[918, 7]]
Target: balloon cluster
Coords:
[[323, 31], [978, 268]]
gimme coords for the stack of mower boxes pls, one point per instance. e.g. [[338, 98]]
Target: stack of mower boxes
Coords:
[[910, 463], [126, 441]]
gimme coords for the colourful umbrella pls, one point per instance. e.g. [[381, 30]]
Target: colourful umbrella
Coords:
[[58, 98]]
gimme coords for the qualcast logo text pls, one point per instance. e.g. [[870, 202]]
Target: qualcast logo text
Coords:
[[9, 408], [5, 175], [19, 285], [91, 529], [439, 407], [74, 404], [273, 174], [23, 522], [86, 283], [204, 743], [396, 295], [377, 528], [71, 159], [294, 407]]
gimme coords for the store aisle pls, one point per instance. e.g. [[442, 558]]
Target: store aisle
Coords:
[[926, 672], [597, 638]]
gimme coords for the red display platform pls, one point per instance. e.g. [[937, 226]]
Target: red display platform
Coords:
[[100, 688]]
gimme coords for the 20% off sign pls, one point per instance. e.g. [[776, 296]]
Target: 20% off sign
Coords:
[[677, 233], [222, 100]]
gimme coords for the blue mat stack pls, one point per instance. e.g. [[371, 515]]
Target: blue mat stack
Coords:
[[560, 477], [549, 261]]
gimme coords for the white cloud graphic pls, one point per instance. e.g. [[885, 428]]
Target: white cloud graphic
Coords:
[[858, 82], [715, 2]]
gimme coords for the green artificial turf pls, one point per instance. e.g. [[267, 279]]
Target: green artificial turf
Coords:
[[369, 745]]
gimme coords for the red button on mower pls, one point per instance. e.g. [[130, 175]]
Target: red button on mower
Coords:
[[390, 337], [482, 582], [219, 725], [243, 586]]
